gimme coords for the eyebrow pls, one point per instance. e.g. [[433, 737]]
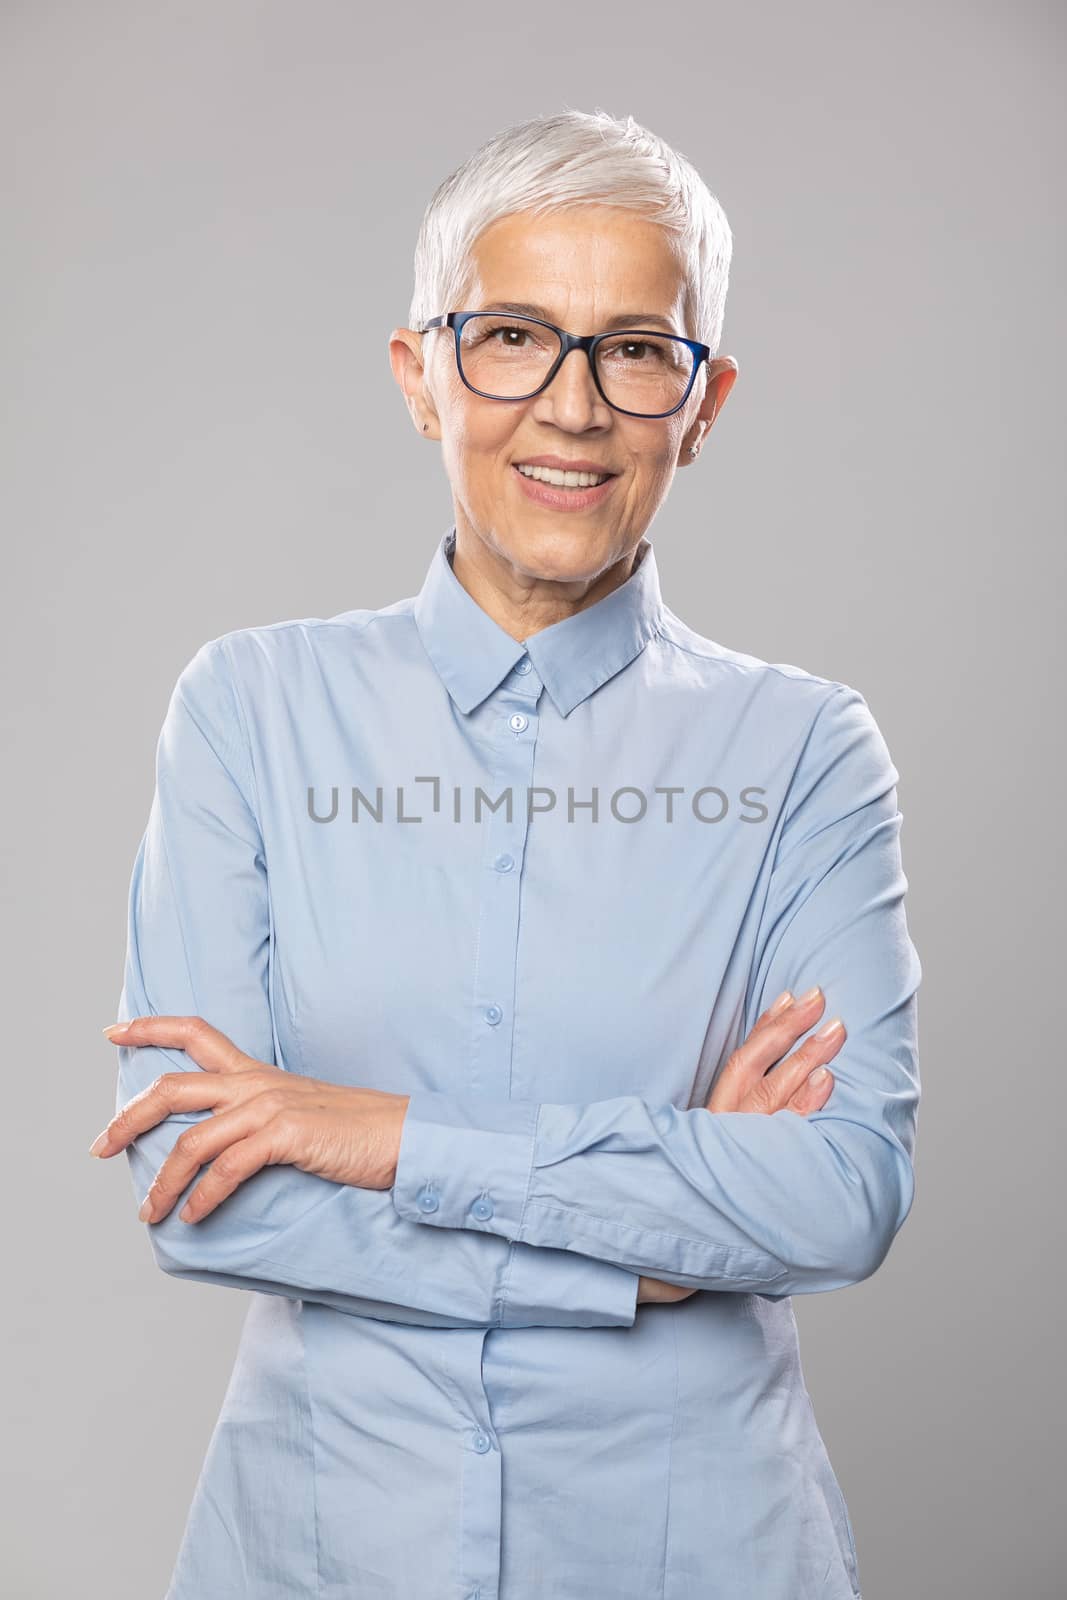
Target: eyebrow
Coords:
[[625, 319]]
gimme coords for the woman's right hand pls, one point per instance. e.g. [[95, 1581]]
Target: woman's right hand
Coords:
[[760, 1076]]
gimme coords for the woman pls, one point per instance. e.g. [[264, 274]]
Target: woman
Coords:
[[472, 942]]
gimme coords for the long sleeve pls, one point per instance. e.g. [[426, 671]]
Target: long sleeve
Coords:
[[200, 936], [743, 1201]]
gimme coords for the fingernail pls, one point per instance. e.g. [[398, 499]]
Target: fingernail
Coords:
[[783, 1000], [99, 1143], [146, 1209], [830, 1028], [114, 1027], [818, 1077], [812, 994]]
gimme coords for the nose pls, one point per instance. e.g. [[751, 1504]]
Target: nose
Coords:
[[572, 396]]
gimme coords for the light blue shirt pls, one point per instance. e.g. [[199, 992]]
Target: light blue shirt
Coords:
[[544, 888]]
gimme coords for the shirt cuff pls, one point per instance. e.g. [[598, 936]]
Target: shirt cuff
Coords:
[[465, 1161], [576, 1291]]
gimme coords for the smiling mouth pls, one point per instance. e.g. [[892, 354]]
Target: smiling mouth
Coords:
[[563, 480]]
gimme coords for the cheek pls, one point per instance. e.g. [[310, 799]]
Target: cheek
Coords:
[[652, 451], [653, 467], [476, 437]]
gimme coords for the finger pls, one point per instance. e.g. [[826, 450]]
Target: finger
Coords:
[[792, 1076], [784, 1000], [762, 1047], [238, 1162], [209, 1140], [813, 1092], [209, 1047], [170, 1093]]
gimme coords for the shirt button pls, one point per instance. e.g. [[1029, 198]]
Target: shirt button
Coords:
[[482, 1442], [493, 1014], [522, 667], [428, 1201], [482, 1209], [518, 722], [503, 863]]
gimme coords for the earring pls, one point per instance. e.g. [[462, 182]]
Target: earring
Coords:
[[693, 451], [425, 427]]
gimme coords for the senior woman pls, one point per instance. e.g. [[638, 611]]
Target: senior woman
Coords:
[[472, 994]]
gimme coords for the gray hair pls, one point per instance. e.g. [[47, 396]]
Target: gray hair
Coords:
[[555, 163]]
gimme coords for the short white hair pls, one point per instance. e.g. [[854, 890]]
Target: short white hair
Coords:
[[555, 163]]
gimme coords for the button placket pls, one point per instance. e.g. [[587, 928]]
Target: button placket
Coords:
[[515, 725], [481, 1528], [479, 1449]]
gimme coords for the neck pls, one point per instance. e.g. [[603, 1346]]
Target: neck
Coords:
[[522, 603]]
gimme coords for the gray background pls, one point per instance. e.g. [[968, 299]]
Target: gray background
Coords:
[[210, 212]]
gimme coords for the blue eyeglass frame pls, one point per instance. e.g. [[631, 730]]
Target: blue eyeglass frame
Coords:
[[568, 342]]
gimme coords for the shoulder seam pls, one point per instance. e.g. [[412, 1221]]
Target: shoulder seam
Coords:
[[306, 622], [739, 666]]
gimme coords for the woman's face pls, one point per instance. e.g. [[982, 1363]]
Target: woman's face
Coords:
[[584, 269]]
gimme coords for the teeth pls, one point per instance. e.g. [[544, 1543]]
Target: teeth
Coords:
[[564, 480]]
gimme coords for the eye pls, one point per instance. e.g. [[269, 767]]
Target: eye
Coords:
[[506, 335], [630, 352], [652, 351]]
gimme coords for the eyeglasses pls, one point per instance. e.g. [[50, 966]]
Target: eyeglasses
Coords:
[[637, 372]]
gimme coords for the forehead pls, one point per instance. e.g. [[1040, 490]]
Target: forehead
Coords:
[[600, 258]]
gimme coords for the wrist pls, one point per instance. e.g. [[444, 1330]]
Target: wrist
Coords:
[[403, 1101]]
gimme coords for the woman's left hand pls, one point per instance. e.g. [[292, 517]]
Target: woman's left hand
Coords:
[[263, 1116]]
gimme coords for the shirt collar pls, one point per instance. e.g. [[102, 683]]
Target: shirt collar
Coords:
[[573, 657]]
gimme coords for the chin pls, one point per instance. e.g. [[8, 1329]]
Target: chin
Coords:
[[558, 552]]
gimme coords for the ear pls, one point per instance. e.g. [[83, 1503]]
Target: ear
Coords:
[[722, 374], [406, 360]]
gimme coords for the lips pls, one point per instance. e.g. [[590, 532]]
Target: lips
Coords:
[[560, 499]]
